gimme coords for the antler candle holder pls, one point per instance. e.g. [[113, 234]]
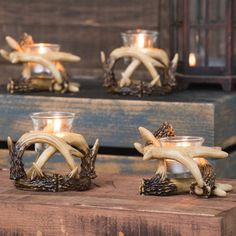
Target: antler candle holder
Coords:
[[203, 179], [42, 68], [138, 47], [70, 145]]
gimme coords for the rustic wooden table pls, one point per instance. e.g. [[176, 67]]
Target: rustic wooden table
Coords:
[[113, 207]]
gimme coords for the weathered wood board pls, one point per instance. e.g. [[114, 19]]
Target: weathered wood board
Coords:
[[113, 207], [115, 119]]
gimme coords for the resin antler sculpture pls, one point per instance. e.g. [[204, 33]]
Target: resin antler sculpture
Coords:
[[57, 80], [203, 182], [69, 145], [153, 59]]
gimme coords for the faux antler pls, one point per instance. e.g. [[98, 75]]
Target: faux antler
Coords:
[[202, 172], [145, 59], [152, 141], [13, 44], [161, 62], [50, 60], [16, 57], [73, 139], [126, 75], [185, 155], [152, 58], [38, 180], [41, 137]]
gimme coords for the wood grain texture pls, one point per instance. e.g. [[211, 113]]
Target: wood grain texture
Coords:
[[115, 119], [81, 27], [115, 122], [226, 168], [112, 206], [225, 110]]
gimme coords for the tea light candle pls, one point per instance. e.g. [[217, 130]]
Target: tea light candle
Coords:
[[174, 167], [53, 126], [40, 48], [140, 41], [52, 122], [139, 38]]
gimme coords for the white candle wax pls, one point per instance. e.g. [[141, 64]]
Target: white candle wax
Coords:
[[179, 141]]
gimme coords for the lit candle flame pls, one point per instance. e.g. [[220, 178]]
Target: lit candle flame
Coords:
[[42, 49], [57, 126], [183, 144], [53, 126], [141, 41], [192, 59]]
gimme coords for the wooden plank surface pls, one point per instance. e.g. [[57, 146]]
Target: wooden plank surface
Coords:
[[225, 110], [115, 119], [112, 206]]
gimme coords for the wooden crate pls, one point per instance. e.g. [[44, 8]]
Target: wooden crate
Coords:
[[113, 207]]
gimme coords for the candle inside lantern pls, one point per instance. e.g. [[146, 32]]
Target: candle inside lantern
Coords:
[[139, 38], [173, 167], [192, 60], [52, 122]]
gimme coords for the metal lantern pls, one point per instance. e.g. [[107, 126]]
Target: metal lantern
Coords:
[[203, 32]]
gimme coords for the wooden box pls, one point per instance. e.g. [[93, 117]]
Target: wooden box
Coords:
[[113, 207]]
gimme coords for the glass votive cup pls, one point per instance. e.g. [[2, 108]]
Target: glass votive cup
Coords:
[[174, 168], [139, 38], [51, 122], [40, 48]]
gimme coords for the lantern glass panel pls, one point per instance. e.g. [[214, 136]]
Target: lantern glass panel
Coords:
[[216, 48], [196, 55], [217, 11]]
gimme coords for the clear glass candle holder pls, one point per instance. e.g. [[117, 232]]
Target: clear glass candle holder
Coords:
[[139, 38], [174, 168], [52, 122], [40, 48]]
